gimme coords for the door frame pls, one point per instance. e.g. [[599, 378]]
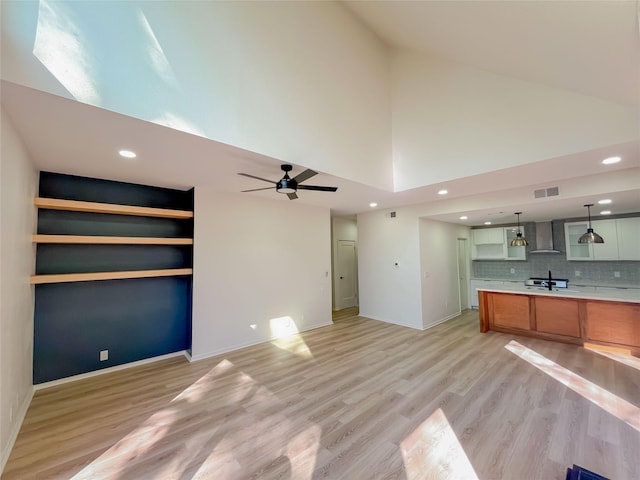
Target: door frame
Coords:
[[337, 302]]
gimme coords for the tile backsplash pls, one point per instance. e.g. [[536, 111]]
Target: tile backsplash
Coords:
[[538, 265]]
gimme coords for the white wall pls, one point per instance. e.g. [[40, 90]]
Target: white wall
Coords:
[[452, 121], [310, 71], [256, 260], [439, 268], [342, 228], [18, 187], [423, 289], [390, 292]]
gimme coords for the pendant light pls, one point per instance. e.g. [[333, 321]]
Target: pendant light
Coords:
[[519, 241], [590, 236]]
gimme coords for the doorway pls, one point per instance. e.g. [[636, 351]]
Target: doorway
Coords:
[[344, 260], [463, 273], [346, 285]]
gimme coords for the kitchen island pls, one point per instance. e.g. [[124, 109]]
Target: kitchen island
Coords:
[[609, 319]]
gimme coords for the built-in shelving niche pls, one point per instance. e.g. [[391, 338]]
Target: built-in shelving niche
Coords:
[[113, 272]]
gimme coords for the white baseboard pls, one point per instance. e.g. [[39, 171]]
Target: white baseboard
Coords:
[[115, 368], [202, 356], [19, 419], [442, 320]]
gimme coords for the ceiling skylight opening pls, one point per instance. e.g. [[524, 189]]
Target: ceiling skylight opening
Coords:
[[127, 154], [611, 160], [605, 212], [604, 201], [464, 217], [61, 46], [443, 192], [373, 204]]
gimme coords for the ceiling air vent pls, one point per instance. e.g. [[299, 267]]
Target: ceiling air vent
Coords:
[[546, 192]]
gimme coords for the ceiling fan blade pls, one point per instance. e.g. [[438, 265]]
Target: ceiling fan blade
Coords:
[[306, 175], [317, 187], [257, 178], [292, 196], [256, 189]]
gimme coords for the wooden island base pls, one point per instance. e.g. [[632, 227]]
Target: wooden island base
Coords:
[[569, 320]]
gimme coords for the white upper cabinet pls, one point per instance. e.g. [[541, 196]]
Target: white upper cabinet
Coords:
[[494, 244], [621, 240], [577, 251], [486, 236], [514, 253], [609, 249], [628, 238]]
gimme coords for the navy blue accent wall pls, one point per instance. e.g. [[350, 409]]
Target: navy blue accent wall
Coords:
[[61, 222], [134, 319], [71, 187], [66, 258]]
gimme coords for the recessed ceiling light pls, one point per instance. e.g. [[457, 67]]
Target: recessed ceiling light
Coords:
[[373, 204], [127, 154], [487, 223], [464, 217], [611, 160], [605, 212], [443, 192], [604, 201]]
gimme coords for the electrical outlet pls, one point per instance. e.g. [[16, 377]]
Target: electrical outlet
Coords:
[[104, 355], [616, 274], [513, 270], [578, 273]]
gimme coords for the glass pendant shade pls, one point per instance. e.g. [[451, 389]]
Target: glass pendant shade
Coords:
[[590, 236], [519, 241]]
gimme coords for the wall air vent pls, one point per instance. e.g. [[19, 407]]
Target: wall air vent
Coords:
[[546, 192], [392, 214]]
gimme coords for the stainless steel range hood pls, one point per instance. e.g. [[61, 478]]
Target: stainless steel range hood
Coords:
[[544, 238]]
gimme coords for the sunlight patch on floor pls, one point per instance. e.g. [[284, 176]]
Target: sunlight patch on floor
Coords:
[[131, 448], [620, 355], [432, 451], [616, 406], [287, 337], [256, 431], [200, 387]]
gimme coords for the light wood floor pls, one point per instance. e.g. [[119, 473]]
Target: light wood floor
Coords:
[[359, 399]]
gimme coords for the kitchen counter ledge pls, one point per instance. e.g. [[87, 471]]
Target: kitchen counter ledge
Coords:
[[609, 318], [572, 283], [621, 295]]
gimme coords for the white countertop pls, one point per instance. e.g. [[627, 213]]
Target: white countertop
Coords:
[[572, 283], [621, 295]]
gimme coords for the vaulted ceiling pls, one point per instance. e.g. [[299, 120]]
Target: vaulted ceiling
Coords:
[[587, 51]]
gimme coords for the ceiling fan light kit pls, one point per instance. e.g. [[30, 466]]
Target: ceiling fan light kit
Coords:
[[289, 186]]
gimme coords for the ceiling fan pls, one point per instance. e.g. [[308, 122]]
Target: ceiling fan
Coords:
[[290, 185]]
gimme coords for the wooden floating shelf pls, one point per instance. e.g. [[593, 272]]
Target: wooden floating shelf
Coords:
[[98, 240], [87, 277], [77, 206]]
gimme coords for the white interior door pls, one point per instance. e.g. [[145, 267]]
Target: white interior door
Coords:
[[463, 273], [346, 284]]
